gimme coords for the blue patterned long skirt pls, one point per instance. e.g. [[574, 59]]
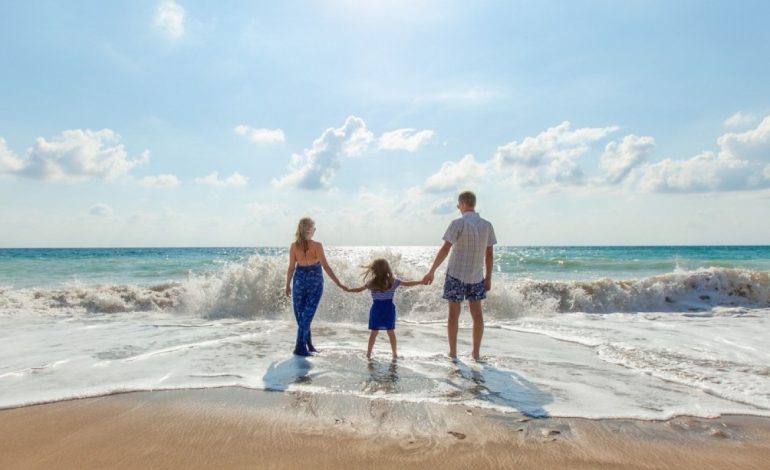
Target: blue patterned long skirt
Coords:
[[307, 288]]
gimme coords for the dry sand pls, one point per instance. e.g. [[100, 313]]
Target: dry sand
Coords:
[[238, 428]]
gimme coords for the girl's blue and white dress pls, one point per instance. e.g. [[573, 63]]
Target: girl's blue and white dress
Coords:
[[382, 315]]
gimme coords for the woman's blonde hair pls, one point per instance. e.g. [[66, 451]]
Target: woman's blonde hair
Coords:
[[380, 274], [300, 237]]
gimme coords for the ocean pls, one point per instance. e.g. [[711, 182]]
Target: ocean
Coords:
[[595, 332]]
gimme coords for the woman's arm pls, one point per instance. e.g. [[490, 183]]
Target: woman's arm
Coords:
[[290, 272], [327, 268]]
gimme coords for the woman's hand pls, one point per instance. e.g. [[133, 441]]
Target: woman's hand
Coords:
[[288, 291]]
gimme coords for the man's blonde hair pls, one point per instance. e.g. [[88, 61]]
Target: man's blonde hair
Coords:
[[467, 198]]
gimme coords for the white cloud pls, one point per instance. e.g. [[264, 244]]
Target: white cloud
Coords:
[[235, 180], [78, 155], [740, 119], [315, 168], [708, 171], [753, 144], [766, 172], [619, 159], [443, 207], [260, 136], [8, 161], [453, 176], [405, 139], [100, 210], [551, 156], [738, 165], [170, 18], [159, 181]]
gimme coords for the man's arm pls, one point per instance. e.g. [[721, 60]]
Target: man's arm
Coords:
[[443, 252], [488, 264]]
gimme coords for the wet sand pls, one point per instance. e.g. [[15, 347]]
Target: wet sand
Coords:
[[239, 428]]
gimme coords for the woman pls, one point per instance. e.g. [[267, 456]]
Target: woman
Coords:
[[306, 258]]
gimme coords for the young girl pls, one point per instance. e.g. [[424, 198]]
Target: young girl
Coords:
[[382, 315]]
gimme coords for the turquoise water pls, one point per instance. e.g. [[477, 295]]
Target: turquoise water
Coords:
[[24, 268]]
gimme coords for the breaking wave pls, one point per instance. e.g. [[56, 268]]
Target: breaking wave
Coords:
[[254, 289]]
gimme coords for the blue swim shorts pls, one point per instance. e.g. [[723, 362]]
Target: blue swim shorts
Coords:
[[456, 290]]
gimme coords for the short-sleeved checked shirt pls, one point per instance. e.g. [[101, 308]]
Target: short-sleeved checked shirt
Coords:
[[470, 235]]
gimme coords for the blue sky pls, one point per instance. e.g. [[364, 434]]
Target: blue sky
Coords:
[[191, 123]]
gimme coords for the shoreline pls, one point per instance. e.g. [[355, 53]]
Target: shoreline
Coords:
[[236, 427]]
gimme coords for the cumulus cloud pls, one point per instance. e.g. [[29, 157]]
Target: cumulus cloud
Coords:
[[100, 210], [619, 158], [739, 164], [235, 180], [707, 171], [315, 167], [159, 181], [443, 207], [454, 175], [74, 155], [740, 119], [405, 139], [260, 136], [170, 18], [551, 156], [9, 163]]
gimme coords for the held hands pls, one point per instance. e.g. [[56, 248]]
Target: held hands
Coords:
[[343, 287], [428, 279]]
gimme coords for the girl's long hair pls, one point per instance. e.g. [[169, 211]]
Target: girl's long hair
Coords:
[[380, 274], [301, 236]]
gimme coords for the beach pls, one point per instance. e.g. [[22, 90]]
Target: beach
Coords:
[[238, 428]]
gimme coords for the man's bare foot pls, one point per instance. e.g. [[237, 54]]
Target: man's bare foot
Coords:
[[479, 359]]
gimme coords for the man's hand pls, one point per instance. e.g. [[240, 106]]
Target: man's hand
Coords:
[[428, 279], [288, 291], [488, 284]]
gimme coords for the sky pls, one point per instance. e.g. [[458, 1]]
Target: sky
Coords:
[[195, 123]]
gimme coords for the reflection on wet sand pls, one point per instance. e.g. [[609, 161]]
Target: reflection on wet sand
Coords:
[[497, 386], [383, 377]]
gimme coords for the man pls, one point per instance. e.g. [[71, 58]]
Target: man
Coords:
[[469, 272]]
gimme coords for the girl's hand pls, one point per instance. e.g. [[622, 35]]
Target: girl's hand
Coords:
[[288, 291]]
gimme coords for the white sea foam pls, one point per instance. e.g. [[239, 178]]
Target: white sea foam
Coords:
[[254, 289], [649, 366]]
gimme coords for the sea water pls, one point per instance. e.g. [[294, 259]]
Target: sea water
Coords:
[[597, 332]]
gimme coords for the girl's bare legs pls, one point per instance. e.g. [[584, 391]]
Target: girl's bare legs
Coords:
[[372, 339], [392, 338]]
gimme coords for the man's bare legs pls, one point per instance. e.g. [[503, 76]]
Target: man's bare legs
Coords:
[[453, 323], [478, 327]]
